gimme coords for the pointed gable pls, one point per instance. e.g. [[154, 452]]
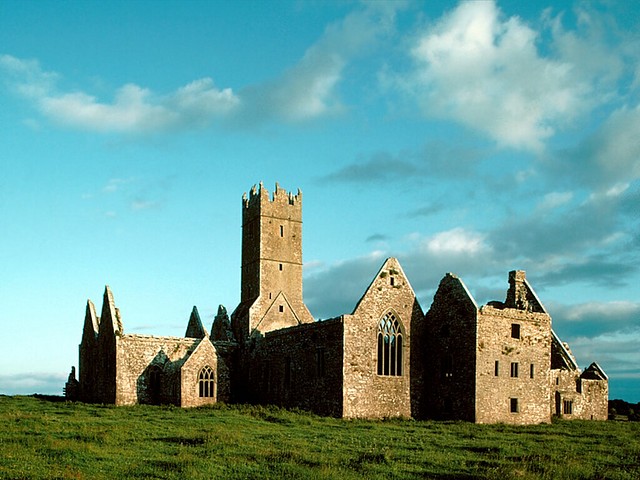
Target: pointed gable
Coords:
[[279, 314], [110, 323], [454, 296], [195, 329], [594, 372], [390, 277], [221, 327], [203, 358], [91, 325]]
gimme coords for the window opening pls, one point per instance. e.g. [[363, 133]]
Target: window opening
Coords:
[[531, 370], [393, 280], [281, 308], [205, 382], [496, 368], [514, 408], [280, 266], [389, 346], [515, 330], [282, 230], [567, 407], [514, 369]]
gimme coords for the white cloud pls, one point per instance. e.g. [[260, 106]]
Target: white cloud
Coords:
[[134, 109], [456, 241], [475, 67]]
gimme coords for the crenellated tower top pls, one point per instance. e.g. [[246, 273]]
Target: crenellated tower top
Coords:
[[281, 203]]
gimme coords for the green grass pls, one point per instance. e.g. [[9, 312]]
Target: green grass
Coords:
[[44, 439]]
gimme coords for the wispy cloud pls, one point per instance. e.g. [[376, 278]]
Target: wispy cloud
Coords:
[[133, 110], [307, 90], [435, 160]]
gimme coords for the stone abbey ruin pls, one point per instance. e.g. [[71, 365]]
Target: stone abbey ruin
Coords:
[[500, 362]]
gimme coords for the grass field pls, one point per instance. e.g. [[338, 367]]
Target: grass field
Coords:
[[45, 439]]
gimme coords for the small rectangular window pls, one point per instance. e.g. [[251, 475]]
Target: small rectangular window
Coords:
[[514, 405], [281, 308], [567, 407], [496, 369], [282, 230], [280, 266], [515, 330], [531, 370], [392, 280], [514, 369]]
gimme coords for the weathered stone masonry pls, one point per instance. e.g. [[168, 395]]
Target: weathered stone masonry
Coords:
[[499, 362]]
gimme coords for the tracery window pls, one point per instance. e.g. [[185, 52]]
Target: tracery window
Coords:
[[206, 382], [389, 346]]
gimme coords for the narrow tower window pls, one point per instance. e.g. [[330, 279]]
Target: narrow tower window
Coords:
[[514, 407], [514, 369], [531, 370], [282, 230], [496, 368]]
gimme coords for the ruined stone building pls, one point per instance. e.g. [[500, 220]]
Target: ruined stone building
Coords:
[[499, 362]]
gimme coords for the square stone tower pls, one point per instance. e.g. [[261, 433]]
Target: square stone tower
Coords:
[[271, 285]]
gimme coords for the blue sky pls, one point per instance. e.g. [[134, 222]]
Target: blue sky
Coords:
[[473, 138]]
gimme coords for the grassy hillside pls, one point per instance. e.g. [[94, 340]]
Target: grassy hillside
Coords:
[[41, 438]]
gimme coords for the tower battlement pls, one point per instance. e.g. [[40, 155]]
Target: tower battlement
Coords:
[[276, 204]]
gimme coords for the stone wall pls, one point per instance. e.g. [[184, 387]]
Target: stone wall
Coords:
[[298, 367], [512, 370], [449, 356], [367, 393], [574, 397], [140, 355]]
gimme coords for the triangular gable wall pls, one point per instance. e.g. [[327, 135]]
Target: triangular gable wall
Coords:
[[91, 324], [594, 372], [279, 314], [110, 323], [203, 355], [390, 268], [195, 329]]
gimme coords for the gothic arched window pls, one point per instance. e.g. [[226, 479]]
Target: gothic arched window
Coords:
[[206, 382], [389, 346]]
